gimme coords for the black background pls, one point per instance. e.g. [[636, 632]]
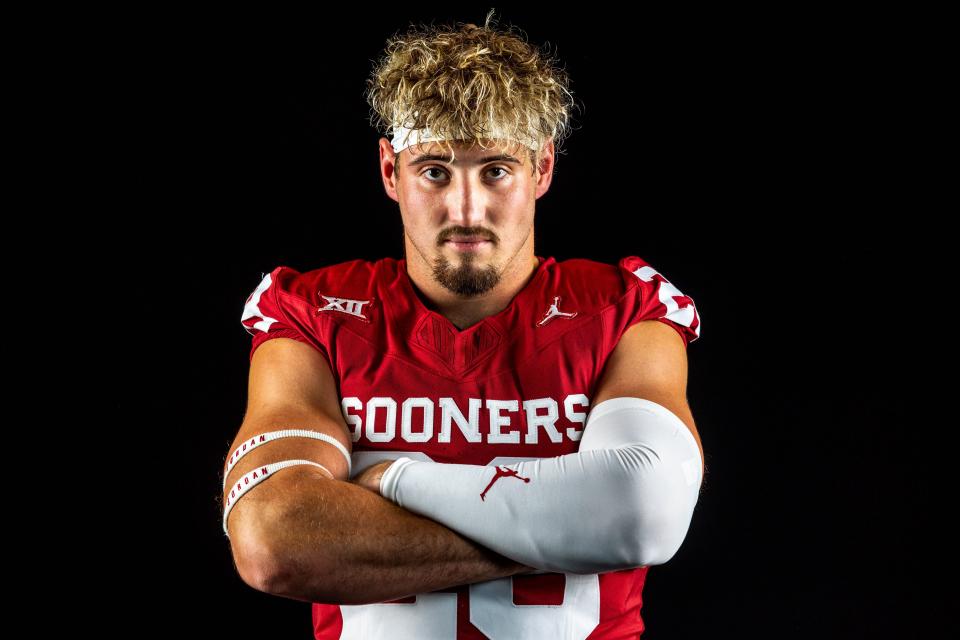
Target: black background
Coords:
[[747, 157]]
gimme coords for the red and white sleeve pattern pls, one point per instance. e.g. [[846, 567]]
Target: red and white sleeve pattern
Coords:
[[656, 298], [264, 316]]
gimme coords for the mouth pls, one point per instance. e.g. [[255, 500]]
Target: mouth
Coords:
[[469, 244]]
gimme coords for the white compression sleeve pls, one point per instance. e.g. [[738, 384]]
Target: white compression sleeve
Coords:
[[624, 500]]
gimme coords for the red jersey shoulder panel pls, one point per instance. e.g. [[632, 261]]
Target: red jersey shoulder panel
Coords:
[[592, 286], [283, 304], [353, 278]]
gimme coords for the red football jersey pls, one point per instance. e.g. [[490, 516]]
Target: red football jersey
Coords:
[[515, 386]]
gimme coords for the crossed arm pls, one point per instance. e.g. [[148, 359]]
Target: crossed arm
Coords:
[[305, 535], [310, 537], [625, 499]]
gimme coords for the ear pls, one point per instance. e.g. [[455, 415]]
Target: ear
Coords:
[[389, 164], [545, 168]]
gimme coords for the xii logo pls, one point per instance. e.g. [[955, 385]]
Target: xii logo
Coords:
[[344, 305]]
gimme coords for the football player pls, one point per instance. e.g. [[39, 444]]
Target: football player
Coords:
[[472, 441]]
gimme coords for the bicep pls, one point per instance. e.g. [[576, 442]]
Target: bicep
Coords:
[[290, 386], [649, 362], [291, 376]]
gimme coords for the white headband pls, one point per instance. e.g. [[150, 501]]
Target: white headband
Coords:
[[404, 137]]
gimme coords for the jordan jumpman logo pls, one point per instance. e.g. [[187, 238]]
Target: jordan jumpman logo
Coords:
[[554, 311], [502, 472]]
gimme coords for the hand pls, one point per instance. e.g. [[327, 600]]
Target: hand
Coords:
[[369, 478]]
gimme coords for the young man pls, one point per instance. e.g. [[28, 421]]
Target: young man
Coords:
[[472, 441]]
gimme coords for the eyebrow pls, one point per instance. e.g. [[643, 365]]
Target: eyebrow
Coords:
[[430, 157]]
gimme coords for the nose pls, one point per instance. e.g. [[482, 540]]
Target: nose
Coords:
[[466, 204]]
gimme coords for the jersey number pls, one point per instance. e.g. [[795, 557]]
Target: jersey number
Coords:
[[491, 603]]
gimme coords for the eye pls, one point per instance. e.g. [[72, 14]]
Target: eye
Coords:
[[443, 171], [429, 169]]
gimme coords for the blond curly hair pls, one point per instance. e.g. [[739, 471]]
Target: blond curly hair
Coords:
[[471, 84]]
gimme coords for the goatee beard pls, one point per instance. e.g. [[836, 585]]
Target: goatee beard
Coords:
[[466, 280]]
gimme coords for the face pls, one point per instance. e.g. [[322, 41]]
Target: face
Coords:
[[467, 219]]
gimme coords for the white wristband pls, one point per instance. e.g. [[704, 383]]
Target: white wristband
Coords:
[[254, 477], [264, 438]]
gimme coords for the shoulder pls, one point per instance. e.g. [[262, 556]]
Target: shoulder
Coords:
[[349, 279], [600, 284], [589, 284], [631, 290], [287, 302], [655, 297]]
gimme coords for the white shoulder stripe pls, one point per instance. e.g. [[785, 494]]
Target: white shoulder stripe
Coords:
[[666, 293], [252, 309]]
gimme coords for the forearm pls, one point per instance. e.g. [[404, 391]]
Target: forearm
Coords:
[[575, 513], [340, 543], [624, 500]]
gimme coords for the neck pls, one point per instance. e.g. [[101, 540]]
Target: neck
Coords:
[[466, 312]]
